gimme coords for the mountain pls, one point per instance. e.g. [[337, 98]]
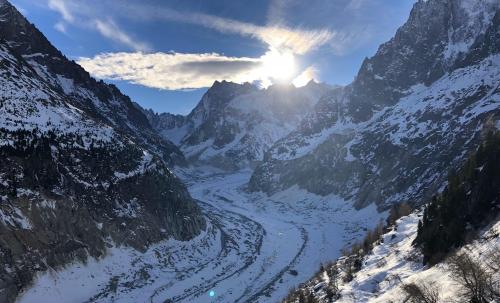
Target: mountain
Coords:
[[446, 252], [415, 110], [393, 271], [234, 124], [103, 102], [82, 170]]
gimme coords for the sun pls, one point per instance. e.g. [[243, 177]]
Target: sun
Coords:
[[278, 66]]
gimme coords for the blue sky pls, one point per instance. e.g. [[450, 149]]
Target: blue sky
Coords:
[[164, 54]]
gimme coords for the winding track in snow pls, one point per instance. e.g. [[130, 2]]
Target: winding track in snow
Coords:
[[218, 215], [251, 244], [217, 218], [290, 236]]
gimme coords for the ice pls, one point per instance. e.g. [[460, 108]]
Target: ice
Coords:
[[251, 244]]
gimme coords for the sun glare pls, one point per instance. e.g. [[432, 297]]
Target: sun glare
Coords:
[[278, 66]]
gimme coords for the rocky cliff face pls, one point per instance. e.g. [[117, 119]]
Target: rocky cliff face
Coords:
[[234, 124], [415, 110], [101, 101], [81, 168]]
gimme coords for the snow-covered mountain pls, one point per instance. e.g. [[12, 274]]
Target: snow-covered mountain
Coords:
[[394, 264], [81, 168], [414, 111], [103, 102], [234, 124], [446, 251]]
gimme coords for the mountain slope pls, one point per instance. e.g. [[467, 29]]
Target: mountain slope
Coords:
[[414, 111], [393, 264], [82, 170], [101, 101], [467, 225], [234, 124]]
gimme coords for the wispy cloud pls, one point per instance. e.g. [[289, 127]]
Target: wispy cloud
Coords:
[[275, 35], [61, 27], [276, 12], [299, 41], [61, 7], [184, 71], [296, 40], [74, 13], [293, 28], [355, 4], [110, 30]]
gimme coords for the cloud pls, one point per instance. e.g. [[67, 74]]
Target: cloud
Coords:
[[76, 14], [355, 4], [297, 40], [60, 6], [185, 71], [281, 37], [276, 12], [307, 75], [172, 71], [61, 27], [111, 31], [179, 71]]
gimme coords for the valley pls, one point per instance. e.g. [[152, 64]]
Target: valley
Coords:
[[255, 249], [264, 190]]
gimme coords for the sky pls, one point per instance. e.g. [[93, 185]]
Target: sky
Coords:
[[164, 54]]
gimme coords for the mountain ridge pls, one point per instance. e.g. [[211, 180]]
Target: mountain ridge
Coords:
[[82, 170], [100, 100], [373, 149], [233, 124]]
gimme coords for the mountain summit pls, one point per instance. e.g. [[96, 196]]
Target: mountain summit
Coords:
[[234, 124], [414, 111]]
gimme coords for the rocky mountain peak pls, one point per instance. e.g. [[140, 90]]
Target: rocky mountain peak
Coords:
[[234, 124], [415, 109], [100, 100], [26, 39], [222, 92], [436, 36]]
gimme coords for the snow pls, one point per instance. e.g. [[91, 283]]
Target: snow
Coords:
[[175, 134], [146, 163], [477, 18], [395, 262], [21, 220], [48, 204], [34, 55], [262, 117], [310, 143], [67, 85], [196, 150], [127, 210], [439, 275], [400, 121], [386, 262], [14, 218], [29, 103], [440, 97], [251, 243]]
